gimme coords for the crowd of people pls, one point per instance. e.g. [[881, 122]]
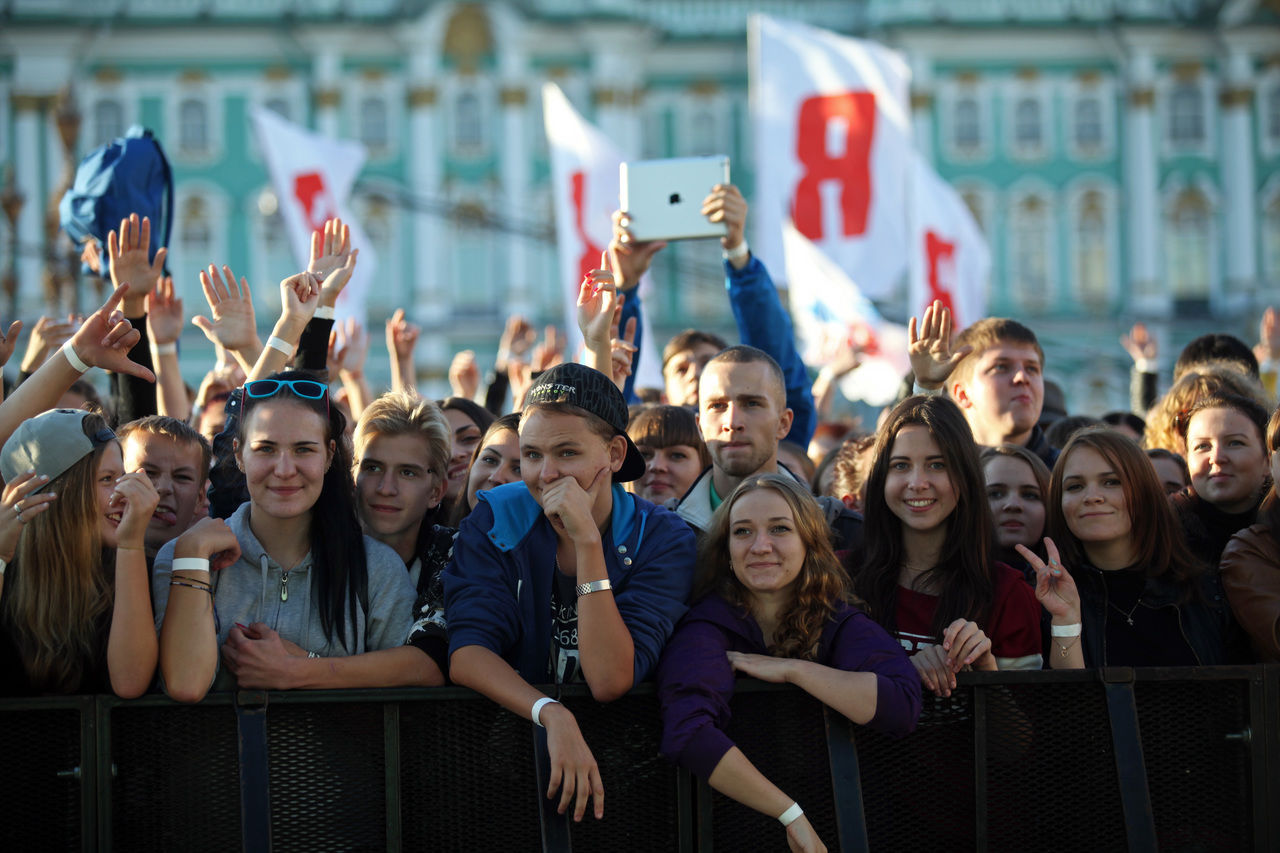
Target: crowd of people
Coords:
[[283, 526]]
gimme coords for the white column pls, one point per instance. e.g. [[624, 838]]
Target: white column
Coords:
[[27, 173], [616, 64], [429, 252], [326, 91], [1147, 295], [922, 105], [1237, 161], [514, 168]]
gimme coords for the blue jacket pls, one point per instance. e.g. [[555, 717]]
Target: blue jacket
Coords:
[[497, 588], [762, 323]]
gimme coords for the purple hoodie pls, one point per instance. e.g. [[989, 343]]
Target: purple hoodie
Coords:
[[695, 679]]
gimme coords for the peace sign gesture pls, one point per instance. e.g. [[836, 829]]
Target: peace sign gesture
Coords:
[[1055, 588]]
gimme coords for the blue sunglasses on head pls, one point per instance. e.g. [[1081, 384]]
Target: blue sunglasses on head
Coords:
[[306, 389]]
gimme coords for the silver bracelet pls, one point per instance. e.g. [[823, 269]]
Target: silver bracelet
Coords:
[[595, 586]]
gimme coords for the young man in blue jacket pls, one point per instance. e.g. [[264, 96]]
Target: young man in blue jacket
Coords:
[[565, 576]]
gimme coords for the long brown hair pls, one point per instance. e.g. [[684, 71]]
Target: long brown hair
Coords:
[[1269, 512], [1159, 543], [963, 575], [822, 582], [60, 588]]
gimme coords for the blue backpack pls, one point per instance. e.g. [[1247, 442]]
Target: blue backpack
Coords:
[[128, 175]]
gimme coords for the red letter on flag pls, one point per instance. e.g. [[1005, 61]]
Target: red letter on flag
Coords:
[[941, 271], [852, 168], [590, 257], [313, 195]]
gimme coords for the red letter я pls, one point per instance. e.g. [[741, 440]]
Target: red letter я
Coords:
[[312, 194], [852, 168], [590, 256], [941, 255]]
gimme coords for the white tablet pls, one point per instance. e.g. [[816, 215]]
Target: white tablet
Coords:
[[664, 197]]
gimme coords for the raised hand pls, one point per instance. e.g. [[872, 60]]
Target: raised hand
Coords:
[[18, 506], [299, 297], [726, 204], [464, 374], [353, 347], [233, 325], [1140, 345], [402, 336], [46, 336], [597, 303], [1055, 589], [550, 352], [135, 498], [630, 258], [332, 259], [131, 261], [164, 313], [930, 351], [1268, 348], [105, 338], [624, 350], [518, 337], [9, 341]]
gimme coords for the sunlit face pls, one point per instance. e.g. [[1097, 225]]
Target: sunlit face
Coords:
[[918, 487], [765, 548], [682, 371], [1017, 504], [284, 457], [110, 468], [497, 464], [174, 469], [1227, 458], [396, 485], [669, 471], [1093, 501], [466, 435], [1005, 392], [742, 416], [554, 445], [1170, 473]]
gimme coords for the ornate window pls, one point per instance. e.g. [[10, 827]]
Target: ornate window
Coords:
[[702, 132], [375, 131], [1091, 261], [468, 123], [195, 232], [193, 126], [967, 124], [1028, 125], [1087, 123], [108, 120], [1186, 115], [1030, 247], [1188, 245], [1271, 241]]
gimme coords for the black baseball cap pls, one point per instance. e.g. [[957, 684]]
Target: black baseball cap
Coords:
[[592, 391]]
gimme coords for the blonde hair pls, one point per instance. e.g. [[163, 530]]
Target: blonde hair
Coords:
[[59, 588], [402, 413], [1207, 380]]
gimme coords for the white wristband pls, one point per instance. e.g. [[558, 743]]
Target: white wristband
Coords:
[[738, 252], [324, 312], [73, 358], [789, 816], [918, 389], [1067, 631], [189, 564], [537, 709], [170, 348], [278, 343]]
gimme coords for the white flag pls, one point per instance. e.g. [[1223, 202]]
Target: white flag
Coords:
[[949, 257], [313, 176], [584, 177], [830, 314], [832, 124]]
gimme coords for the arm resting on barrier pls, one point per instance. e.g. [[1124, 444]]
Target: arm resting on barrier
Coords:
[[263, 663], [736, 777]]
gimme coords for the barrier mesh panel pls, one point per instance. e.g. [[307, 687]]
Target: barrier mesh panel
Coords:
[[1199, 780], [1051, 771], [177, 778], [641, 809], [327, 777], [467, 777], [918, 791], [39, 810], [783, 735]]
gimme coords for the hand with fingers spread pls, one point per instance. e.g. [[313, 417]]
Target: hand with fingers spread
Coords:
[[164, 313], [9, 342], [574, 773], [233, 325], [464, 375], [106, 337], [19, 504], [936, 673], [402, 336], [597, 304], [1268, 349], [726, 204], [130, 254], [135, 499], [332, 259], [1141, 346], [930, 351], [967, 645], [630, 259], [518, 337], [46, 336]]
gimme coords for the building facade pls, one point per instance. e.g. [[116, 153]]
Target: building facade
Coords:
[[1123, 156]]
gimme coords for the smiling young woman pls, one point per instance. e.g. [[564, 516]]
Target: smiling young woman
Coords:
[[772, 602]]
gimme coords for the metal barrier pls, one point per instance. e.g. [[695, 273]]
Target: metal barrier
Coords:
[[1169, 759]]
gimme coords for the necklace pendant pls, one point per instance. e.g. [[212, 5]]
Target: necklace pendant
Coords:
[[1129, 619]]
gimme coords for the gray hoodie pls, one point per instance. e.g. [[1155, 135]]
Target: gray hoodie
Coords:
[[250, 590]]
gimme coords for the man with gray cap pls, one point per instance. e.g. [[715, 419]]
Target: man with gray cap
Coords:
[[566, 576]]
